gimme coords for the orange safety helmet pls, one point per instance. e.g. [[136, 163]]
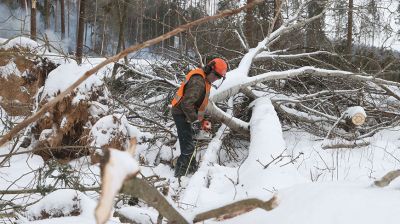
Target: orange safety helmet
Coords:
[[219, 66]]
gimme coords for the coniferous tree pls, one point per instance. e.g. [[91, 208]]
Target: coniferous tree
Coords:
[[33, 19], [62, 19], [81, 29], [349, 26]]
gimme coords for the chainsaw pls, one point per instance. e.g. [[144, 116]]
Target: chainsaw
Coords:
[[204, 132]]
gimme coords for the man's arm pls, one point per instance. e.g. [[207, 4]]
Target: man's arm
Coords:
[[194, 91]]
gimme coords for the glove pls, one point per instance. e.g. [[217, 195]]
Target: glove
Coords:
[[206, 125], [196, 125]]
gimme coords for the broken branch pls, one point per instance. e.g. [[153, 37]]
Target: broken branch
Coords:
[[237, 208]]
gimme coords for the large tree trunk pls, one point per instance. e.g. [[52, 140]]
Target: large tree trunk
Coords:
[[277, 14], [62, 19], [314, 31], [81, 29], [68, 8], [249, 25], [94, 33], [122, 18], [55, 16], [349, 27], [33, 20], [46, 14]]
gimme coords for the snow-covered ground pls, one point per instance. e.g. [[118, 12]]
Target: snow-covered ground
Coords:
[[311, 189]]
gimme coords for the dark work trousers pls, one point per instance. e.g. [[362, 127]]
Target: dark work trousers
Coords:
[[185, 134]]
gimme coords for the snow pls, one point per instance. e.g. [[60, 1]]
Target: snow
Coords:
[[351, 111], [330, 203], [19, 42], [366, 163], [97, 109], [62, 203], [9, 69], [140, 215], [66, 74], [112, 126]]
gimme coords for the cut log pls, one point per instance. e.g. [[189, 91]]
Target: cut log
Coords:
[[358, 119], [355, 115]]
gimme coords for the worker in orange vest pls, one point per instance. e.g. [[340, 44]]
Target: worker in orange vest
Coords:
[[188, 107]]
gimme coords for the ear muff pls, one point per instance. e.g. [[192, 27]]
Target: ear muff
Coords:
[[209, 67]]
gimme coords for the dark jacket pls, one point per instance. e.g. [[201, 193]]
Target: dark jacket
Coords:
[[194, 93]]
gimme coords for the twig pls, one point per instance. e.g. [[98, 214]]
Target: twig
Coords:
[[44, 190], [349, 146], [144, 118], [49, 148]]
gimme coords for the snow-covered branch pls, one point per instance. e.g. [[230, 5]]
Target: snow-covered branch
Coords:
[[303, 71]]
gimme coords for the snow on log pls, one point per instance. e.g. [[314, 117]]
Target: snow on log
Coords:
[[62, 203], [116, 167], [355, 115], [112, 131]]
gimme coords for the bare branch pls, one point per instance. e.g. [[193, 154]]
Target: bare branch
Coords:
[[237, 208], [141, 189], [389, 177]]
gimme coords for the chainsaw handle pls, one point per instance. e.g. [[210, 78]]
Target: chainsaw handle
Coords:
[[206, 125]]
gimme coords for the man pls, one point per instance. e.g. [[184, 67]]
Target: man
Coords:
[[188, 107]]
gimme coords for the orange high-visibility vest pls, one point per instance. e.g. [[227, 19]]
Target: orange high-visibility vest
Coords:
[[179, 94]]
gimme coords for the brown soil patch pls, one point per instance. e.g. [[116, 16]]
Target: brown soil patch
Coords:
[[60, 133], [17, 92]]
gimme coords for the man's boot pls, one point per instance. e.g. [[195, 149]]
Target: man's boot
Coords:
[[182, 164]]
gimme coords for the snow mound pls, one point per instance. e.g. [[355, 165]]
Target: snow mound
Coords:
[[140, 215], [60, 203], [19, 42], [65, 75], [9, 69], [330, 203], [112, 130]]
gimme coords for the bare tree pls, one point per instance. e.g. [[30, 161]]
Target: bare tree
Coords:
[[314, 31], [277, 14], [33, 20], [81, 30], [46, 14], [349, 26], [62, 19], [249, 25]]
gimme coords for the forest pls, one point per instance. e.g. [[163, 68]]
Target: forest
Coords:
[[304, 125]]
